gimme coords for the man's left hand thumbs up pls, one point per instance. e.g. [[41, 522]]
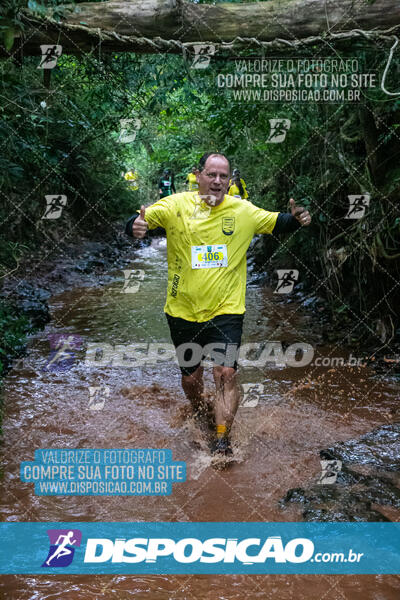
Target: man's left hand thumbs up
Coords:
[[300, 213]]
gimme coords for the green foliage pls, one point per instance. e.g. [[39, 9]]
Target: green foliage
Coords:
[[10, 256], [64, 140], [10, 15], [10, 22], [13, 329]]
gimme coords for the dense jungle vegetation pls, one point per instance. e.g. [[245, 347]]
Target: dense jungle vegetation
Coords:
[[63, 138]]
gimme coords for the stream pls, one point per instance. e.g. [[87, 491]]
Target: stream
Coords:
[[276, 437]]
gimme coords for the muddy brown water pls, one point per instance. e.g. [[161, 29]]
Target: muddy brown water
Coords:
[[300, 411]]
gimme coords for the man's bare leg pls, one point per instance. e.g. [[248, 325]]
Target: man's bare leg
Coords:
[[226, 400], [193, 387]]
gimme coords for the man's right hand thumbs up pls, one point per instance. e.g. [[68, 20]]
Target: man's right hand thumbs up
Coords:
[[140, 226]]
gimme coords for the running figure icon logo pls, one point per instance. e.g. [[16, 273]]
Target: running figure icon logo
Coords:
[[286, 280], [62, 351], [133, 278], [251, 394], [62, 547], [202, 55], [50, 54], [202, 210], [98, 396], [279, 129], [357, 206], [129, 130], [54, 206], [330, 470]]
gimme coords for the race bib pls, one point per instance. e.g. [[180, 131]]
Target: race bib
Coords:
[[209, 257], [166, 183]]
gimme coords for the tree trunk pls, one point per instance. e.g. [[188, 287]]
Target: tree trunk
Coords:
[[119, 24], [371, 141]]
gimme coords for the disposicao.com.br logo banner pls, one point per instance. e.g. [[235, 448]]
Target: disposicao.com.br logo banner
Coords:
[[208, 548]]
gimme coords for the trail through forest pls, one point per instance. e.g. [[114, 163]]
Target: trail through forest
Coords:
[[277, 441]]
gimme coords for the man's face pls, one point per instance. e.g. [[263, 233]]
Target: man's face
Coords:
[[213, 180]]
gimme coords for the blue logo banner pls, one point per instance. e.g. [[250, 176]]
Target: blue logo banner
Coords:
[[207, 548]]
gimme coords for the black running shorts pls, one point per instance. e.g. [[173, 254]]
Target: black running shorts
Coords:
[[218, 339]]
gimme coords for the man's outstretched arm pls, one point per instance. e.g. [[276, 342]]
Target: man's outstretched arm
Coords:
[[279, 222], [289, 222], [286, 223]]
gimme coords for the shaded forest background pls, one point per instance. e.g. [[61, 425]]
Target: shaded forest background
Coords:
[[64, 139]]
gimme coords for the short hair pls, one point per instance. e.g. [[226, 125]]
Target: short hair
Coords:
[[206, 155]]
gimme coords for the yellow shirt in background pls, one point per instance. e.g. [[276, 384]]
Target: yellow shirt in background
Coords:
[[201, 235], [193, 185], [132, 178], [234, 190]]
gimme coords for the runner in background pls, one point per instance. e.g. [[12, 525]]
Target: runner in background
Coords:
[[132, 177], [237, 186], [191, 179], [166, 184]]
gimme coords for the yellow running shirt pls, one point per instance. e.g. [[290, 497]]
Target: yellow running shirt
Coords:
[[234, 190], [132, 177], [206, 248], [193, 185]]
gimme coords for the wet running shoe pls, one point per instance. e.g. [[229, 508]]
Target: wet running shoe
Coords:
[[221, 446]]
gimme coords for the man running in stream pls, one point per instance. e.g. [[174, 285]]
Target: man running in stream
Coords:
[[208, 234]]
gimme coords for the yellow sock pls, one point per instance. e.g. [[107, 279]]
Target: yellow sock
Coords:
[[221, 431]]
